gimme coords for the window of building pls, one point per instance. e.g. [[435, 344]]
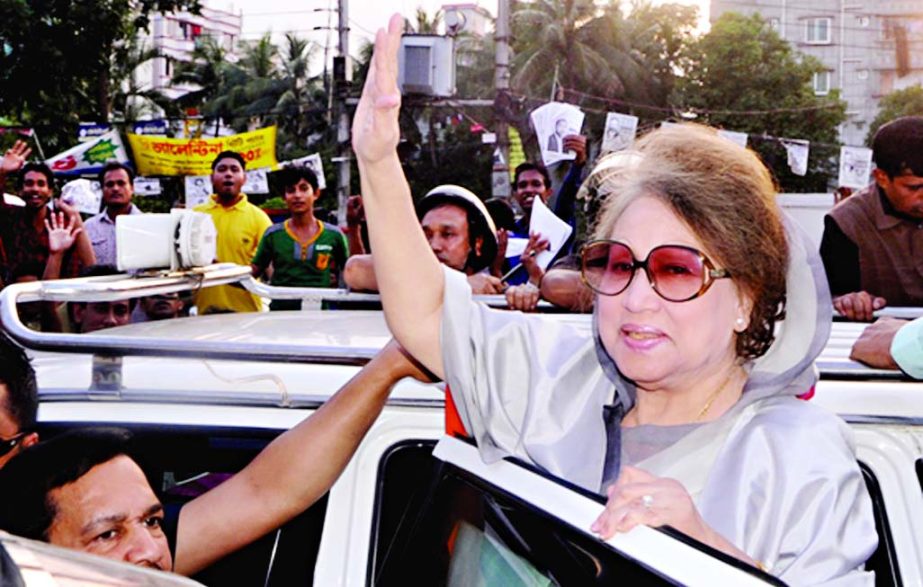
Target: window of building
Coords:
[[775, 24], [817, 30], [821, 83], [863, 21]]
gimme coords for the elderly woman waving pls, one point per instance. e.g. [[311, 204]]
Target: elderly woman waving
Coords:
[[683, 406]]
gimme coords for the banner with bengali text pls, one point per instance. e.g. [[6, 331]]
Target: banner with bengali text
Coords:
[[163, 156]]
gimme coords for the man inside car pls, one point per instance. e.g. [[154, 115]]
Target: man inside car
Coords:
[[18, 401], [84, 491], [88, 317]]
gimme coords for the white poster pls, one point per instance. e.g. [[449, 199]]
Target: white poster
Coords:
[[198, 189], [620, 132], [257, 182], [553, 122], [91, 156], [81, 195], [147, 186], [797, 151], [316, 165], [855, 167], [738, 138]]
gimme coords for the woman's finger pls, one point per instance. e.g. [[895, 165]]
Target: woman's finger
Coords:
[[636, 514], [635, 475]]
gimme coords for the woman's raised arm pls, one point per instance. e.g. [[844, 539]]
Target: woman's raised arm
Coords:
[[409, 276]]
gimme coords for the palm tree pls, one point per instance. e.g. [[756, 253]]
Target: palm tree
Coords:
[[576, 44], [129, 98], [301, 94], [426, 25]]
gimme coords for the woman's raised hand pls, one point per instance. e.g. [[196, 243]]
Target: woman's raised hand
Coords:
[[375, 130]]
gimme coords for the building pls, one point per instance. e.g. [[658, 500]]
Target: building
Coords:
[[869, 47], [175, 36]]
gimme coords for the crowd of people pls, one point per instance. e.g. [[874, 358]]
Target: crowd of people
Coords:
[[684, 406], [48, 239]]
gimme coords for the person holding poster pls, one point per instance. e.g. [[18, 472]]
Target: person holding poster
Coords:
[[240, 226], [872, 245]]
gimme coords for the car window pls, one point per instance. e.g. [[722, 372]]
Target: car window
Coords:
[[184, 462], [439, 525]]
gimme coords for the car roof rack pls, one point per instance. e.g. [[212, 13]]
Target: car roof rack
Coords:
[[121, 286]]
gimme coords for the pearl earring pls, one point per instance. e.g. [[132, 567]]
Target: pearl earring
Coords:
[[741, 323]]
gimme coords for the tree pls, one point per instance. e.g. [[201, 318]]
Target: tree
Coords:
[[55, 63], [906, 102], [660, 34], [270, 84], [425, 24], [604, 60], [575, 43], [130, 100], [742, 76]]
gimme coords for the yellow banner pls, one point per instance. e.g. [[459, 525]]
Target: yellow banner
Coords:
[[163, 156], [517, 155]]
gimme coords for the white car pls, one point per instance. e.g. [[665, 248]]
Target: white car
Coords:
[[204, 394]]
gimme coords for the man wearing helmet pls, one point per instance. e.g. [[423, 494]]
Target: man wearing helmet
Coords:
[[460, 232]]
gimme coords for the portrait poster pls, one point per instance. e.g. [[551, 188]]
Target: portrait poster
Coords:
[[855, 167], [315, 163], [620, 132], [552, 122], [198, 189], [738, 138], [83, 195], [797, 152], [257, 182]]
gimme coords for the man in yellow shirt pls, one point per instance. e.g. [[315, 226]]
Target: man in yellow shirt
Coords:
[[240, 226]]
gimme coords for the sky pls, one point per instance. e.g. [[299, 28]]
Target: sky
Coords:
[[302, 16]]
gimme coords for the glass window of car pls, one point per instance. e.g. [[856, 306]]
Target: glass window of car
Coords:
[[439, 525]]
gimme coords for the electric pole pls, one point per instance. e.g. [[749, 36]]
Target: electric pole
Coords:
[[500, 182], [342, 74]]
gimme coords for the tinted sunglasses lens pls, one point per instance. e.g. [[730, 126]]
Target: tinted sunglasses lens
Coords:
[[607, 267], [678, 273]]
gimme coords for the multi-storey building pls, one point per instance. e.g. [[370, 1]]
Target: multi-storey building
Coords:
[[176, 35], [869, 47]]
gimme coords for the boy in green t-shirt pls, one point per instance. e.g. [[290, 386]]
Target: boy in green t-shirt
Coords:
[[303, 251]]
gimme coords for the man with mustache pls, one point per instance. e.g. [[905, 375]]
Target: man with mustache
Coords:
[[460, 232]]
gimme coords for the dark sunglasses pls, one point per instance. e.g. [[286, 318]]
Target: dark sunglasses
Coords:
[[677, 273], [8, 444]]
